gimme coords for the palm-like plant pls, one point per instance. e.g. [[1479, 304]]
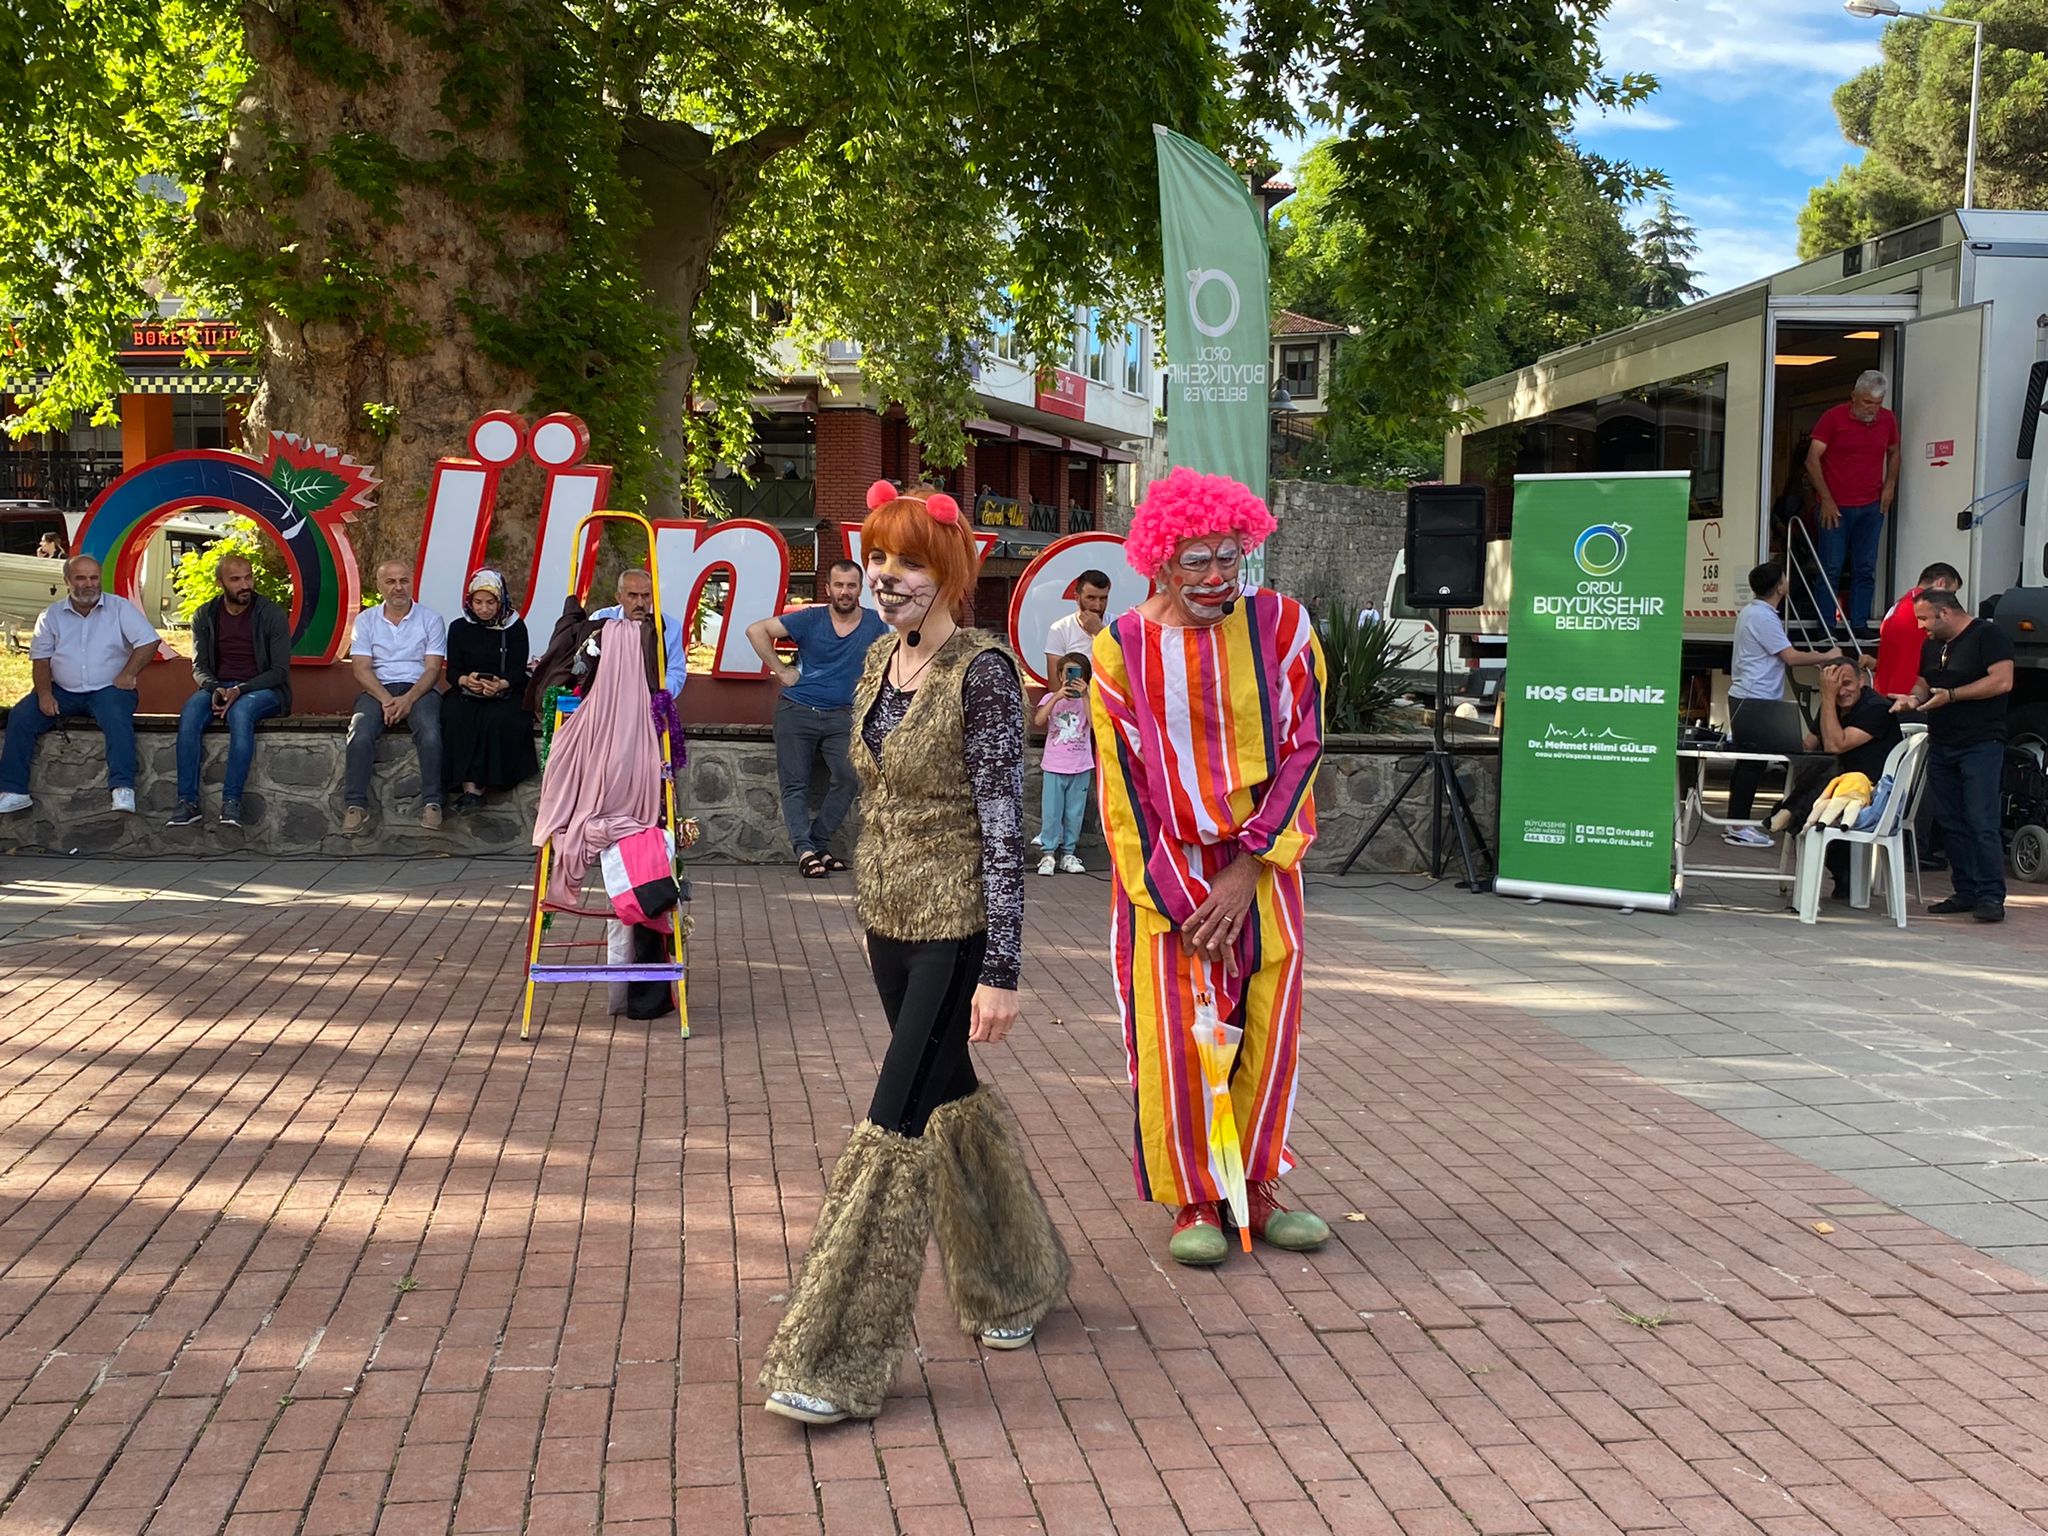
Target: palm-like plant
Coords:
[[1363, 663]]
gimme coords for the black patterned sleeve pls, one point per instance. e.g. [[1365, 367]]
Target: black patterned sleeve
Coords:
[[994, 705]]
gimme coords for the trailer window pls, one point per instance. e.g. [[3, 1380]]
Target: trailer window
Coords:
[[1674, 424]]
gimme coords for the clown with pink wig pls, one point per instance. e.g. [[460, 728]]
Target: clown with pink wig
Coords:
[[1208, 705]]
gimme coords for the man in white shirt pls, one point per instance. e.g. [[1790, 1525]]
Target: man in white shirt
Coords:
[[1763, 654], [398, 655], [1076, 631], [636, 602], [86, 658]]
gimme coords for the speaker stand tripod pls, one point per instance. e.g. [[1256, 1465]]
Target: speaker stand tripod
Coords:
[[1446, 793]]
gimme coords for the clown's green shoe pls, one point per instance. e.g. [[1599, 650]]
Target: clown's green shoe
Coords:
[[1198, 1235], [1274, 1223]]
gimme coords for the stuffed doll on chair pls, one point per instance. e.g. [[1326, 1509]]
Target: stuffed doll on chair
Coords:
[[1845, 798]]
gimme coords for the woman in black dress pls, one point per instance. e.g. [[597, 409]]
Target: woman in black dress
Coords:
[[487, 732]]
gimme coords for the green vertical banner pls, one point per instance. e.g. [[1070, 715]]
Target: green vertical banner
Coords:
[[1218, 317], [1589, 730]]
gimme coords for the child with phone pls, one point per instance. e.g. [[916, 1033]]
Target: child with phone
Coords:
[[1068, 765]]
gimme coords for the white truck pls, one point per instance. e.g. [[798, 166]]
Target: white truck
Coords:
[[1953, 310], [29, 582]]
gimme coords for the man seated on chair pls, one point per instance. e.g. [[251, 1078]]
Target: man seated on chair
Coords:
[[1858, 728]]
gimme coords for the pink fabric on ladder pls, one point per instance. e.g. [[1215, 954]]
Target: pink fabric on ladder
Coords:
[[603, 776]]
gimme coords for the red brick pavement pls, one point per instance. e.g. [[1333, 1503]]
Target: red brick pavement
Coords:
[[297, 1237]]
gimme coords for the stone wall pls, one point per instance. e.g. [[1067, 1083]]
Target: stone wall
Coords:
[[293, 802], [1336, 543]]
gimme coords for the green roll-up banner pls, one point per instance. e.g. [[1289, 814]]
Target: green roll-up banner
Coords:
[[1590, 725], [1217, 315]]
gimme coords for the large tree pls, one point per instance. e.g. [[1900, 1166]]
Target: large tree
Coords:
[[1575, 272], [1910, 114], [425, 208]]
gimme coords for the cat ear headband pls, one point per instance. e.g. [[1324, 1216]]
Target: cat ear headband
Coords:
[[942, 507]]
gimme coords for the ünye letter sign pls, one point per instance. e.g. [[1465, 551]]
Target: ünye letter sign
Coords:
[[305, 494]]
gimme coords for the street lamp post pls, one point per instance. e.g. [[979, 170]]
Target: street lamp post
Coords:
[[1891, 8]]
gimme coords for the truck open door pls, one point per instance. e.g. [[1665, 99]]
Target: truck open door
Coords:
[[1939, 403]]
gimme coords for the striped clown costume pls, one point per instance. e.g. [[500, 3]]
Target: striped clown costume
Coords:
[[1208, 736]]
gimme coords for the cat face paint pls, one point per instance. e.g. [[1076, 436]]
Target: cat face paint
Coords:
[[905, 591]]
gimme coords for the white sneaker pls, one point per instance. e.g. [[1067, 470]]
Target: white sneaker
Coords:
[[124, 801], [1070, 864], [1046, 865], [11, 802], [1746, 837]]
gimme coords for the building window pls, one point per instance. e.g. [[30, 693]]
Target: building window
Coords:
[[1002, 338], [199, 421], [842, 351], [1673, 424], [1299, 367], [1094, 361], [1134, 358]]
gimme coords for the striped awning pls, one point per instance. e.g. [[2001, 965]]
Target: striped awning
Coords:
[[190, 381]]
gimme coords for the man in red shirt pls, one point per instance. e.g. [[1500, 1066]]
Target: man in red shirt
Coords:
[[1899, 638], [1854, 464]]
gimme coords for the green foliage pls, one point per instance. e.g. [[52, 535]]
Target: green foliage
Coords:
[[894, 169], [1362, 665], [1910, 114], [197, 576], [1576, 272], [110, 107], [1452, 122]]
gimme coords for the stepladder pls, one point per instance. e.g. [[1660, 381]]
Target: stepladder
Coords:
[[558, 927]]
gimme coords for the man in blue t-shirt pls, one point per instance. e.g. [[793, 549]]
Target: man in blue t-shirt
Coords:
[[814, 716]]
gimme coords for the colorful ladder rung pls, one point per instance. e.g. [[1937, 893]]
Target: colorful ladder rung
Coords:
[[656, 971]]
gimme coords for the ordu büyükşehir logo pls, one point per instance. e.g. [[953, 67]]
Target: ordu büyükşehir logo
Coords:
[[1602, 549]]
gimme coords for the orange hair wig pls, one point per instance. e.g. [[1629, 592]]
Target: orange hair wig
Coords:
[[906, 527]]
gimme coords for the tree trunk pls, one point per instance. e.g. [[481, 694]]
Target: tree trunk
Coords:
[[687, 195], [368, 310]]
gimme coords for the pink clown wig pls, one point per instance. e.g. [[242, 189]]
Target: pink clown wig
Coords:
[[1187, 504]]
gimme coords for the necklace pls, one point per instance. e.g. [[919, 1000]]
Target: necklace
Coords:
[[924, 666]]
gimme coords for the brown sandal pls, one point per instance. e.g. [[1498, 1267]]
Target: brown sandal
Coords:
[[811, 866], [834, 864]]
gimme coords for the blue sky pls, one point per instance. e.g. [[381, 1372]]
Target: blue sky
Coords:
[[1741, 122]]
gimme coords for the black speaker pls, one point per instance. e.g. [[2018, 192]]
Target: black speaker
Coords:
[[1446, 546]]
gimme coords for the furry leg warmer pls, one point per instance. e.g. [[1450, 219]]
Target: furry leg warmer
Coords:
[[1005, 1267], [850, 1315]]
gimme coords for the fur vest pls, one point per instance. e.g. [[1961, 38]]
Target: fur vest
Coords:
[[917, 864]]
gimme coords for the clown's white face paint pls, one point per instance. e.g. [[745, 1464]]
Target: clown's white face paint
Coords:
[[1203, 578], [905, 591]]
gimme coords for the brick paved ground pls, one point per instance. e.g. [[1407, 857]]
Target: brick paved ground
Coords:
[[296, 1237]]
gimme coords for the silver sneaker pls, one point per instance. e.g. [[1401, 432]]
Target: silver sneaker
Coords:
[[1007, 1338], [804, 1408]]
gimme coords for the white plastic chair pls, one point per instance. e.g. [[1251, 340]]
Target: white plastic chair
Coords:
[[1885, 844]]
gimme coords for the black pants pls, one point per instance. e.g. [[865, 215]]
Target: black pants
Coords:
[[927, 990], [1963, 783]]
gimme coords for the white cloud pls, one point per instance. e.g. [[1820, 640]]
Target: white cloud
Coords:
[[1738, 46], [1641, 120], [1733, 254]]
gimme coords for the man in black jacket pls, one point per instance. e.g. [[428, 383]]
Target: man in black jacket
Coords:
[[241, 661]]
